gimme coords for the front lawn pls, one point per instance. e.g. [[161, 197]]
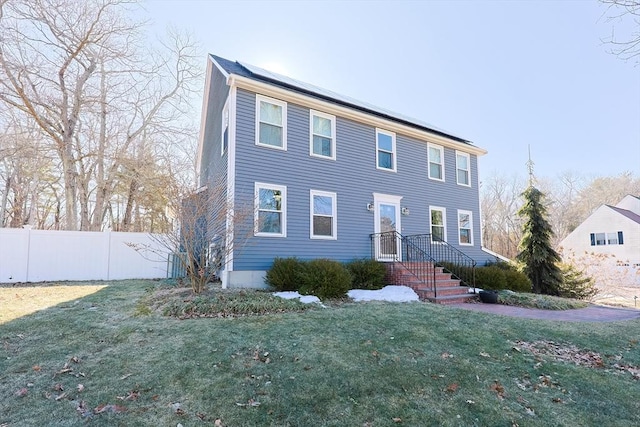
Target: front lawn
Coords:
[[113, 358]]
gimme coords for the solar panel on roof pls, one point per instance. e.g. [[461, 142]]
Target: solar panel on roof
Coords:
[[341, 98]]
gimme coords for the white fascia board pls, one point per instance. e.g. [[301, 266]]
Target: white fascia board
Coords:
[[203, 117], [231, 181], [222, 70], [349, 113]]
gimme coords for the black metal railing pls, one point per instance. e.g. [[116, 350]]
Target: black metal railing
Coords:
[[454, 261], [420, 254]]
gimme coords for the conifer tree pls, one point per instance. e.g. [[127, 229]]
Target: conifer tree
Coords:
[[537, 255]]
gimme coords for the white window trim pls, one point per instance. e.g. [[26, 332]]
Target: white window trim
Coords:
[[334, 214], [393, 148], [333, 134], [444, 220], [225, 125], [470, 227], [283, 189], [441, 149], [283, 105], [460, 153]]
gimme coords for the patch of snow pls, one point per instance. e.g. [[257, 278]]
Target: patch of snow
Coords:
[[307, 299], [389, 293]]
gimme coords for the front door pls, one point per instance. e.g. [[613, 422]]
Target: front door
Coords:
[[387, 227]]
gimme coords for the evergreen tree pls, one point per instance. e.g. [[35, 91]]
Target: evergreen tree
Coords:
[[537, 255]]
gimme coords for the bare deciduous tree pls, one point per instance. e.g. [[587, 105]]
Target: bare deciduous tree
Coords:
[[625, 15], [105, 101]]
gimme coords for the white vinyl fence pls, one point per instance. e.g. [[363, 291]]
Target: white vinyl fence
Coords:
[[28, 255]]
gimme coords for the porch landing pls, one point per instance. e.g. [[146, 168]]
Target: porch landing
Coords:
[[447, 289]]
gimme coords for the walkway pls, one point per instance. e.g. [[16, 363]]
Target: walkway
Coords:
[[593, 313]]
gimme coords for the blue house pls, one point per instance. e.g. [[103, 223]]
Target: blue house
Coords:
[[327, 176]]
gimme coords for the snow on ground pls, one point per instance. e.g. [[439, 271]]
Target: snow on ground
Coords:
[[307, 299], [388, 293]]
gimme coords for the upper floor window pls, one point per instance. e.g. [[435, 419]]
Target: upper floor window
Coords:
[[270, 210], [463, 161], [602, 239], [438, 224], [323, 131], [225, 128], [436, 162], [271, 122], [323, 215], [385, 150], [465, 227]]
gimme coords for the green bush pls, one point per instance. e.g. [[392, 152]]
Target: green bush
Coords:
[[325, 279], [517, 281], [366, 274], [490, 277], [284, 274], [575, 284]]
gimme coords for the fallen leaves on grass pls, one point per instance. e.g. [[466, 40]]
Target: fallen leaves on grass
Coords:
[[116, 409], [22, 392], [567, 353], [451, 388], [498, 389], [633, 370]]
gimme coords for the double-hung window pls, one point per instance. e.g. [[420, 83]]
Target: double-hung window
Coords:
[[463, 160], [436, 162], [271, 122], [602, 239], [465, 227], [225, 128], [323, 135], [323, 215], [438, 224], [270, 210], [385, 150]]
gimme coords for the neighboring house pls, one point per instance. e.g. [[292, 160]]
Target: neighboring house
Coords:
[[611, 233], [326, 174]]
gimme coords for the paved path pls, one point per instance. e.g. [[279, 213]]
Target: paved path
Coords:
[[593, 313]]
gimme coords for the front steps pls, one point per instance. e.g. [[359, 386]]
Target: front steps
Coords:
[[448, 289]]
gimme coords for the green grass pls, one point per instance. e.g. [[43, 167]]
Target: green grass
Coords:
[[365, 364]]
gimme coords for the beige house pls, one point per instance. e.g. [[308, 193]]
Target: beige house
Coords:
[[610, 235]]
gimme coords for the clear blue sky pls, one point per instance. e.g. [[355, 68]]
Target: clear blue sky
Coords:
[[502, 74]]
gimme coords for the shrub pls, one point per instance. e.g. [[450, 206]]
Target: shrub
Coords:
[[366, 274], [490, 277], [575, 284], [284, 274], [324, 278], [517, 281]]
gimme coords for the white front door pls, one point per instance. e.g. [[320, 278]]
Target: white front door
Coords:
[[387, 227]]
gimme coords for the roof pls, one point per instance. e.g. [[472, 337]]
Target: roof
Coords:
[[624, 212], [257, 73]]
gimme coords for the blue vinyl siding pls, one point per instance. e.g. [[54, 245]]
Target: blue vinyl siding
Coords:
[[353, 177], [213, 166]]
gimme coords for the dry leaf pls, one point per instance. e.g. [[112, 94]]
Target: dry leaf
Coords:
[[217, 422], [498, 388], [80, 388], [452, 387], [22, 392], [483, 354], [396, 420], [37, 368], [61, 396]]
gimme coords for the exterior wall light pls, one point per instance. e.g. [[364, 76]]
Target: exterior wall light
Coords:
[[370, 207], [404, 211]]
